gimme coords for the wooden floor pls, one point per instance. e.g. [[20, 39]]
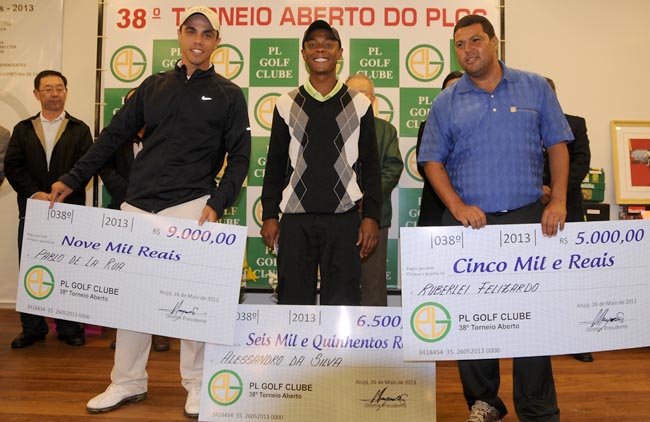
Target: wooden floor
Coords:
[[51, 382]]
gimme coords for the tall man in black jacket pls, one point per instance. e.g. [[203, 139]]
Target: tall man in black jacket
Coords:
[[193, 118], [115, 176], [579, 162], [41, 149]]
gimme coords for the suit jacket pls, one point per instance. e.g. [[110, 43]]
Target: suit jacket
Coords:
[[431, 206], [579, 161], [4, 142], [391, 166], [26, 164], [115, 174]]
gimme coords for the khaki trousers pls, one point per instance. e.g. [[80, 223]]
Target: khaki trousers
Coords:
[[132, 348]]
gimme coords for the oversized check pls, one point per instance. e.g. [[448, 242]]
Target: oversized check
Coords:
[[309, 363], [506, 291], [141, 272]]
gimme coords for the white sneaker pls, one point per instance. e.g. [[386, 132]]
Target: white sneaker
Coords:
[[193, 402], [483, 412], [114, 397]]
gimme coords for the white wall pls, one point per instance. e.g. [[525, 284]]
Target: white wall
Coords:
[[595, 50], [79, 53]]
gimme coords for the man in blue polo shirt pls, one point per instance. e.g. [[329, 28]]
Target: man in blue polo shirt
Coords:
[[482, 152]]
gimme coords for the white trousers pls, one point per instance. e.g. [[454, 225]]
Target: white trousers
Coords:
[[132, 348]]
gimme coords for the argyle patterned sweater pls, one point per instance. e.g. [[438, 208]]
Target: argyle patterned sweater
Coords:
[[322, 156]]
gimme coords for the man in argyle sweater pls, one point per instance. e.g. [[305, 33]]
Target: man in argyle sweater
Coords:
[[322, 165]]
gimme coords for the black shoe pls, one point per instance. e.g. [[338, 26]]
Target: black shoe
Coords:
[[26, 339], [583, 357], [76, 339], [160, 343]]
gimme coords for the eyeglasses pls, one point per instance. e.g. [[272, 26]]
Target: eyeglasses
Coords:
[[49, 90]]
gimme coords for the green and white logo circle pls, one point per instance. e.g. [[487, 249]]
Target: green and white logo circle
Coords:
[[385, 108], [430, 322], [228, 61], [264, 110], [128, 63], [225, 387], [411, 164], [39, 282], [424, 63]]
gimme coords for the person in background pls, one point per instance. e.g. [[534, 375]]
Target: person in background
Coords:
[[4, 143], [115, 176], [42, 148], [579, 162], [482, 152], [193, 117], [431, 207], [322, 163], [373, 267]]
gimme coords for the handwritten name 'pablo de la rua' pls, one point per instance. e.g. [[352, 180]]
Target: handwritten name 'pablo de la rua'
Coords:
[[121, 248]]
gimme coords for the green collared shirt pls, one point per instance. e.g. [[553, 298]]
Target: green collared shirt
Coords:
[[318, 96]]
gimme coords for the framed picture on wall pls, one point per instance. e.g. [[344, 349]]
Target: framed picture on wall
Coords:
[[631, 153]]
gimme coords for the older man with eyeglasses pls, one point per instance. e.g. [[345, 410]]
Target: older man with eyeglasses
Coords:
[[41, 149]]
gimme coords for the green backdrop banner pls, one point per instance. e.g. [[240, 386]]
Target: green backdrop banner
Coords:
[[406, 50]]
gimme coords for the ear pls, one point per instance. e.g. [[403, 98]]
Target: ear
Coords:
[[495, 42]]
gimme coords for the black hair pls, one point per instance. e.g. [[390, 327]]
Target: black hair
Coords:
[[45, 73], [470, 20], [551, 83], [456, 74]]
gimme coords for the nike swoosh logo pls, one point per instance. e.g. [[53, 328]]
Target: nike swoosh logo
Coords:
[[204, 98]]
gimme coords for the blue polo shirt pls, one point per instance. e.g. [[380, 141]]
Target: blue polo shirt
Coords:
[[491, 143]]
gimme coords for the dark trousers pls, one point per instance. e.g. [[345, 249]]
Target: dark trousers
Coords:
[[326, 241], [373, 273], [533, 385], [36, 324]]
